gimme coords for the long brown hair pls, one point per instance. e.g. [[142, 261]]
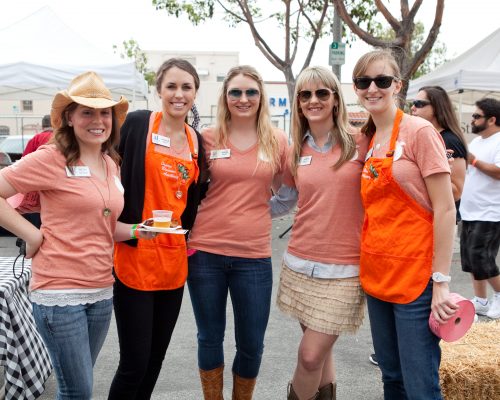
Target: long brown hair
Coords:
[[443, 111], [360, 69], [66, 142], [300, 125]]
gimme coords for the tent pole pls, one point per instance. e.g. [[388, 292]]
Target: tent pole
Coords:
[[460, 106]]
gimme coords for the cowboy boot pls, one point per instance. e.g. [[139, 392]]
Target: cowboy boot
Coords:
[[212, 382], [328, 392], [243, 387], [293, 396]]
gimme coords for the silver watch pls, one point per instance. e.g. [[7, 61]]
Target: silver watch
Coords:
[[439, 277]]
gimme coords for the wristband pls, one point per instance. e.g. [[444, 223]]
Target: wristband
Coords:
[[133, 232], [473, 163]]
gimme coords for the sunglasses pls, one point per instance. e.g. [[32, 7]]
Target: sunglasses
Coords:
[[476, 116], [321, 94], [382, 82], [421, 103], [237, 93]]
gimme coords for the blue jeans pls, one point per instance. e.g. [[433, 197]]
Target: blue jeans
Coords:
[[74, 335], [249, 282], [408, 353]]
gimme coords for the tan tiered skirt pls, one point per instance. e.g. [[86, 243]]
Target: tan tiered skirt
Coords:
[[330, 306]]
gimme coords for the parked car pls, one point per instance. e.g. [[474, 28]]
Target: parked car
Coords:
[[12, 147]]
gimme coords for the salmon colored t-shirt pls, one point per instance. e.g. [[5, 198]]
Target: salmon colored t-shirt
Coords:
[[327, 226], [234, 218], [77, 249], [420, 152]]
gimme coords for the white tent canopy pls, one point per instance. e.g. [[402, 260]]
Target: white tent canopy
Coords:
[[469, 77], [41, 54]]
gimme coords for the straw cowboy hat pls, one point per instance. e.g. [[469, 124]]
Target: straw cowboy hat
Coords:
[[87, 89]]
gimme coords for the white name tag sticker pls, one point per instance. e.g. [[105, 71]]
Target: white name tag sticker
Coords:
[[78, 171], [306, 160], [222, 153], [161, 140]]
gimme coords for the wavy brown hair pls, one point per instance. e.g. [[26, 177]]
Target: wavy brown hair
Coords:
[[65, 140], [443, 111]]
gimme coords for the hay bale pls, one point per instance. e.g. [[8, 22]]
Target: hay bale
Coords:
[[470, 367]]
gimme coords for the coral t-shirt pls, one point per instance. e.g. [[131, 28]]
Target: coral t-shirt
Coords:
[[77, 248], [327, 226], [420, 152], [234, 218]]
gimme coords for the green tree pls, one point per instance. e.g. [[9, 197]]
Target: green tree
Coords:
[[131, 50], [406, 41], [302, 22]]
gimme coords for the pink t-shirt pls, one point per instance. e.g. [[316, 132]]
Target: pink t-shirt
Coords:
[[234, 218], [420, 152], [77, 248], [327, 226]]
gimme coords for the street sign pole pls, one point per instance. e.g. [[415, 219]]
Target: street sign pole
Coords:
[[337, 38]]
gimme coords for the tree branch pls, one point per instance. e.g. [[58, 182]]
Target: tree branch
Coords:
[[361, 33], [405, 9], [393, 22], [232, 13], [317, 33], [420, 55], [414, 9]]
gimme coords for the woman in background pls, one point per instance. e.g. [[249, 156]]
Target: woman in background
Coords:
[[433, 104], [232, 233]]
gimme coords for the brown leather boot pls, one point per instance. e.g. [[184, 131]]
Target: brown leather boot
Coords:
[[293, 396], [212, 382], [328, 392], [243, 387]]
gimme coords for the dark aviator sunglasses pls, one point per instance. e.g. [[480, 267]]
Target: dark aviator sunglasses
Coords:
[[382, 82], [420, 103], [237, 93], [321, 94]]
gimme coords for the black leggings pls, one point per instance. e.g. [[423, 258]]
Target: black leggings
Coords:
[[145, 321]]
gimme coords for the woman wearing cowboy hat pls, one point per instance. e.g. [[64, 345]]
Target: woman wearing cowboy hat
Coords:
[[81, 197]]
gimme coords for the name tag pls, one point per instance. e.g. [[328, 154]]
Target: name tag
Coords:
[[161, 140], [78, 171], [306, 160], [222, 153]]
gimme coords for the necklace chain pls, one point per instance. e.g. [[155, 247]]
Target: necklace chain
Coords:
[[106, 210], [380, 144]]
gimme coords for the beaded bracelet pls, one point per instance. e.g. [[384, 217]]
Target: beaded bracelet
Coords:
[[133, 232]]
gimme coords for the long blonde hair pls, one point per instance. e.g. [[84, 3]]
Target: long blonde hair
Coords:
[[267, 141], [360, 69], [300, 125]]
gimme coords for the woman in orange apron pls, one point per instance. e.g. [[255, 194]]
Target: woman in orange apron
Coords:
[[160, 170], [407, 236]]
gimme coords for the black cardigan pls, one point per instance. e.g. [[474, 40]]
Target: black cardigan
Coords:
[[132, 149]]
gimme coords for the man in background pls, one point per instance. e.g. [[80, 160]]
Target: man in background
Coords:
[[480, 208]]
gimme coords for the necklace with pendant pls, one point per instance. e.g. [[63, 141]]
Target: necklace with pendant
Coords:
[[106, 210], [379, 145]]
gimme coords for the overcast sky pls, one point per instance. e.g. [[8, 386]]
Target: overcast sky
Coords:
[[108, 22]]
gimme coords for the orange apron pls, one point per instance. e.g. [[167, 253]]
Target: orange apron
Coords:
[[397, 240], [160, 263]]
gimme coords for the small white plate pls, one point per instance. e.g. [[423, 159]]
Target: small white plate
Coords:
[[176, 231]]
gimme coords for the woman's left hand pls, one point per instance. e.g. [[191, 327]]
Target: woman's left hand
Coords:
[[146, 234], [442, 307]]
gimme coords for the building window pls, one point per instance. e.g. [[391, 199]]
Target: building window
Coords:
[[4, 130], [27, 105], [221, 77]]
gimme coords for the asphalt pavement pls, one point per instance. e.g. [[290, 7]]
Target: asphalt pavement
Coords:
[[357, 378]]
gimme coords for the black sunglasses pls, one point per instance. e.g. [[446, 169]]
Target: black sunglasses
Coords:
[[421, 103], [382, 82], [476, 116], [321, 94], [237, 93]]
